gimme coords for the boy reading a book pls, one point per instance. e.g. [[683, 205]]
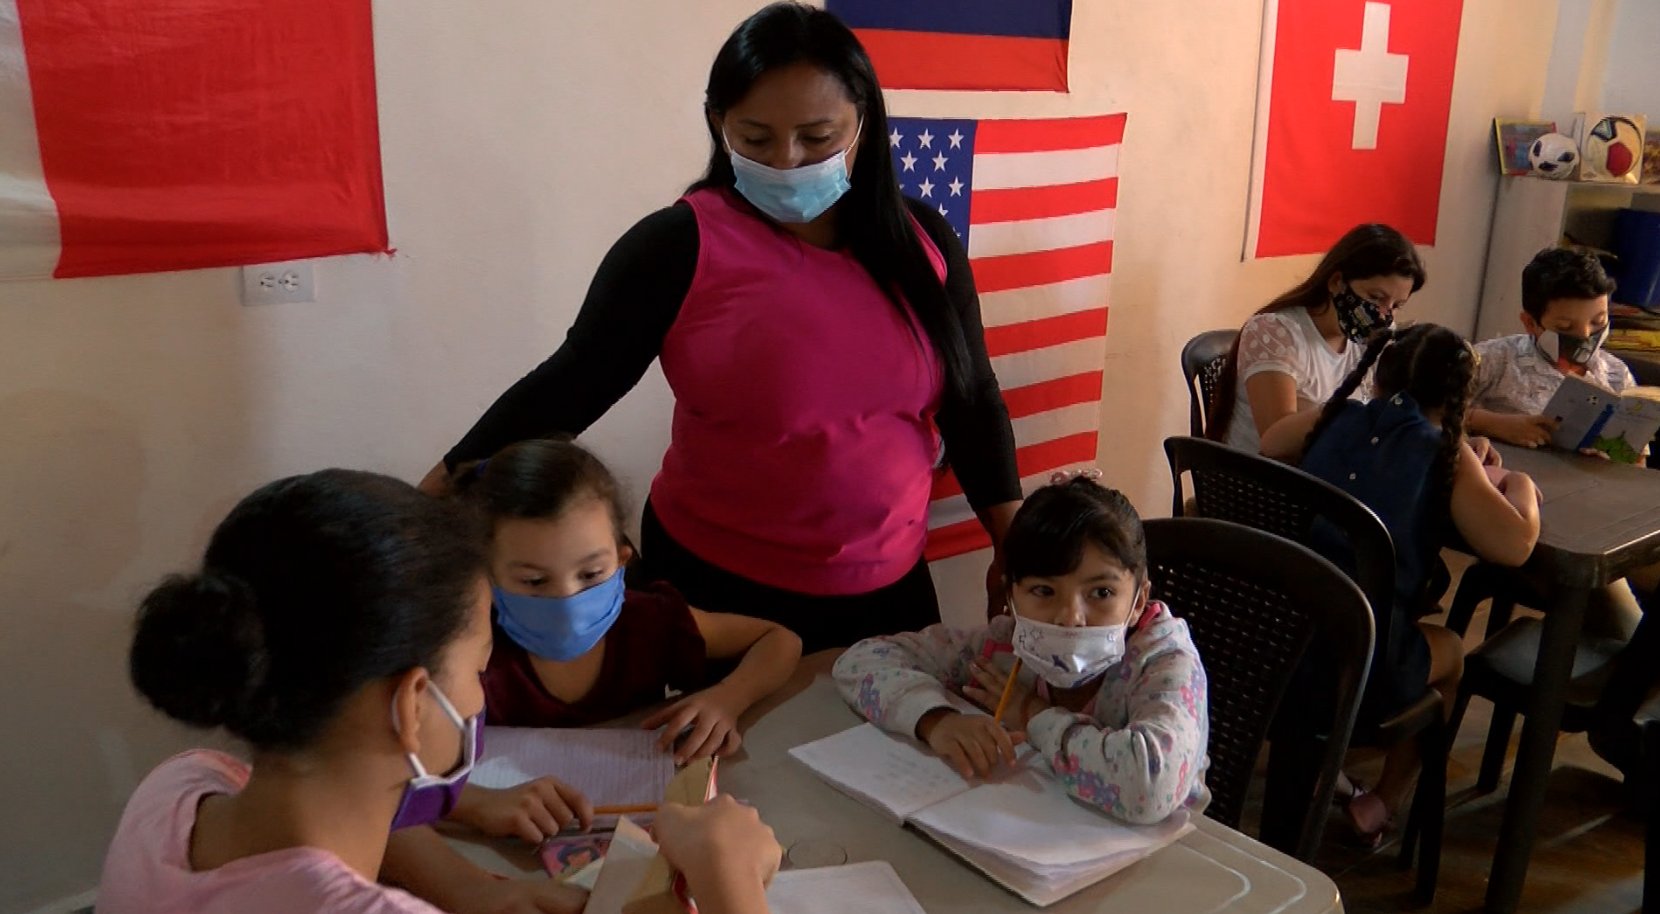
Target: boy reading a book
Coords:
[[1108, 686], [1565, 316]]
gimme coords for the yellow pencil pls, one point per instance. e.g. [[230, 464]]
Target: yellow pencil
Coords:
[[1008, 689], [624, 810]]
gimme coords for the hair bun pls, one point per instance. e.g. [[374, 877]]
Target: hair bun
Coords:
[[198, 654]]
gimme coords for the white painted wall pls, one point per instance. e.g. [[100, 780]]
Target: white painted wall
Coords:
[[1631, 80], [518, 144]]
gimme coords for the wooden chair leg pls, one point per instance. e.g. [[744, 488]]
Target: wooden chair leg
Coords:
[[1498, 742]]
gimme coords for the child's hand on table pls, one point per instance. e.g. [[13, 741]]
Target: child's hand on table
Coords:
[[1485, 451], [1524, 430], [535, 810], [973, 744], [712, 718]]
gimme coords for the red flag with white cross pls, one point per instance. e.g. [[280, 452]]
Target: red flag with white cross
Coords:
[[1351, 120]]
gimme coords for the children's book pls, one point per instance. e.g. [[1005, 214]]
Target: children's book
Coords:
[[1020, 828], [1591, 417]]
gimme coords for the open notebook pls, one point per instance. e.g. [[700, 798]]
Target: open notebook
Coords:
[[611, 767], [1021, 829]]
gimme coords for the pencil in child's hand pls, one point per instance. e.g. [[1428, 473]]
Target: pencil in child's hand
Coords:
[[624, 810], [1008, 689]]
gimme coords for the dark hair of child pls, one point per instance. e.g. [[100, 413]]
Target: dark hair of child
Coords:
[[1562, 273], [539, 478], [1429, 363], [1048, 534], [311, 588]]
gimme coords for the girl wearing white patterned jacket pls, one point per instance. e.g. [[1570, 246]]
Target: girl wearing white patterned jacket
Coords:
[[1109, 687]]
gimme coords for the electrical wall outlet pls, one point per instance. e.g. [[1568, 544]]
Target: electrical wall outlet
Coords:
[[279, 283]]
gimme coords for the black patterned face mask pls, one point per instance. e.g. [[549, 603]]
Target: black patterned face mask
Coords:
[[1359, 317]]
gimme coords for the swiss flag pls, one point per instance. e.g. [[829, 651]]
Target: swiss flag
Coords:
[[146, 136], [1356, 122]]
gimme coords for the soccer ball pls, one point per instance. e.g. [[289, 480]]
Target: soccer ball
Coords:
[[1613, 148], [1553, 156]]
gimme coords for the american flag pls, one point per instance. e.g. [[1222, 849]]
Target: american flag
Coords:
[[1034, 203]]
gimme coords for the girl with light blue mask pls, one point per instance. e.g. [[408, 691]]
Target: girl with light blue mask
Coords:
[[576, 646]]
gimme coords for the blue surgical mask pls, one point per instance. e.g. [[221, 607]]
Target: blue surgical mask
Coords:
[[561, 628], [793, 195]]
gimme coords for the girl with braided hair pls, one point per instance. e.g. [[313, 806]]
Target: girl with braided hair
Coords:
[[1405, 455]]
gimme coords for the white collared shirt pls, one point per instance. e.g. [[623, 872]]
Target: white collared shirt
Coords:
[[1514, 378]]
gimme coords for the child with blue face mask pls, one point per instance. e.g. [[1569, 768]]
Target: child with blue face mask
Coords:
[[1110, 690], [576, 646]]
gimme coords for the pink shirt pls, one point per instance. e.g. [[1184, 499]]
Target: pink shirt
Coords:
[[147, 870], [803, 442]]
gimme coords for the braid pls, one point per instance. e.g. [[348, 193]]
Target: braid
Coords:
[[1443, 370], [1375, 346]]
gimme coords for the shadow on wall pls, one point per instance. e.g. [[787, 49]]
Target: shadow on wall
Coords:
[[69, 525]]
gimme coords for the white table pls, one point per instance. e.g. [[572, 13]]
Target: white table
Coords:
[[1213, 868]]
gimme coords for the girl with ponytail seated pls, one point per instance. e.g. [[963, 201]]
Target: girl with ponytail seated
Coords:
[[1405, 455], [338, 627]]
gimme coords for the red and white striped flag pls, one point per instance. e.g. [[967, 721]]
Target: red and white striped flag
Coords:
[[137, 137], [1034, 202]]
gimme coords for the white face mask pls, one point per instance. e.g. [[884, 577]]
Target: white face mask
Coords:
[[1068, 656]]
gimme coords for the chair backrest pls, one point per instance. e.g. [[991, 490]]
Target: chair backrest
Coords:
[[1232, 485], [1255, 602], [1202, 361]]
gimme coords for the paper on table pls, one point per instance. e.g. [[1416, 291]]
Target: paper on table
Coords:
[[891, 773], [869, 888], [1030, 818], [626, 861], [611, 767]]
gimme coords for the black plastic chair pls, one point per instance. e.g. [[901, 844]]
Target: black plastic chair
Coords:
[[1232, 485], [1202, 361], [1500, 669], [1254, 603]]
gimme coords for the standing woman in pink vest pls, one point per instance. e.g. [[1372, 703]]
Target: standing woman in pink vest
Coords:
[[822, 337]]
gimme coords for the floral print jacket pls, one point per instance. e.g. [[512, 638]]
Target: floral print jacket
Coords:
[[1137, 752]]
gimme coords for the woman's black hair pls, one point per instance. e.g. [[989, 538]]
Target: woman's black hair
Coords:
[[311, 588], [539, 479], [1046, 539], [872, 219], [1364, 251], [1429, 363]]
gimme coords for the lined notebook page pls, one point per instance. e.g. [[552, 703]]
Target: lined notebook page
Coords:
[[869, 888], [612, 767], [1030, 819], [894, 775]]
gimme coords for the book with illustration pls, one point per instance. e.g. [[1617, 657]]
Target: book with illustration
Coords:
[[1592, 418]]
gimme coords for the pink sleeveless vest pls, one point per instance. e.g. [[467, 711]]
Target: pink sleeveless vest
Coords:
[[803, 442]]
